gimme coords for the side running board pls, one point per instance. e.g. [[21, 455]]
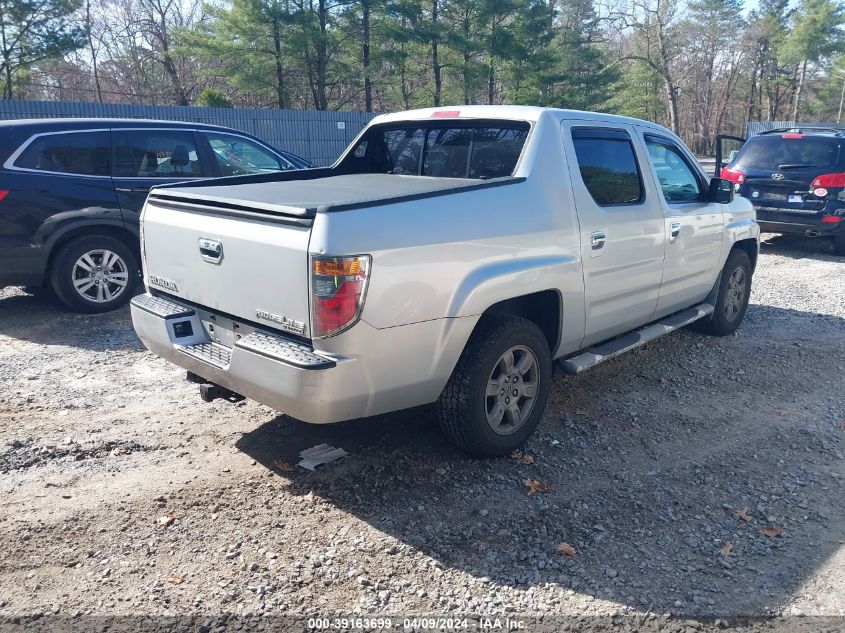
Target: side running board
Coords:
[[614, 347]]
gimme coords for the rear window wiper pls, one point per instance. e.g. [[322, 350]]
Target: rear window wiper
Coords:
[[796, 166]]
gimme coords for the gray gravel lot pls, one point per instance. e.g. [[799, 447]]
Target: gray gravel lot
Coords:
[[122, 493]]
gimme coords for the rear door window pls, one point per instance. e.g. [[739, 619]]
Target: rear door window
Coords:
[[157, 154], [608, 165], [777, 153], [85, 153], [446, 151]]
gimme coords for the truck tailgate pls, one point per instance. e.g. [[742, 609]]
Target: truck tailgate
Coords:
[[255, 269]]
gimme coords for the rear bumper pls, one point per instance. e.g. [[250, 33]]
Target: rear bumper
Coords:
[[271, 369], [775, 221]]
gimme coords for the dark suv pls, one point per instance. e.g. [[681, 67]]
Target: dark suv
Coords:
[[795, 178], [71, 192]]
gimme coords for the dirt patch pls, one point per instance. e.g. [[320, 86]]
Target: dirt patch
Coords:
[[695, 476]]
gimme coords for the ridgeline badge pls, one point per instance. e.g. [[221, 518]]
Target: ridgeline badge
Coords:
[[289, 325]]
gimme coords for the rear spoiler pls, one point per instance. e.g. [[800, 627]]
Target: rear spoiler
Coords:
[[803, 130]]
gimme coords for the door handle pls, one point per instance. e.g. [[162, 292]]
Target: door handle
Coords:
[[132, 189], [675, 231], [597, 240]]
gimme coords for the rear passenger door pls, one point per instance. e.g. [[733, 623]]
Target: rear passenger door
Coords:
[[53, 177], [621, 224], [694, 225], [144, 158]]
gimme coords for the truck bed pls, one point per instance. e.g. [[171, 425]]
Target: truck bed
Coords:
[[304, 198]]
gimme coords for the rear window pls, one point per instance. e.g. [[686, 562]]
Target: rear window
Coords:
[[447, 151], [775, 153], [86, 153]]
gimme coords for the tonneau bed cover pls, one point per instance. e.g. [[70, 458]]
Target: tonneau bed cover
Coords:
[[304, 198]]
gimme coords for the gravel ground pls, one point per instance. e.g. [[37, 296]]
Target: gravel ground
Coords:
[[697, 476]]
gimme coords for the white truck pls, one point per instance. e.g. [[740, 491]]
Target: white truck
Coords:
[[450, 256]]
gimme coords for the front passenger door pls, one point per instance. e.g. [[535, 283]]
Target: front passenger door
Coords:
[[694, 226]]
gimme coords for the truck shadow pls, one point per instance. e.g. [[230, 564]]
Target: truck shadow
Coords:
[[41, 318], [647, 482], [799, 247]]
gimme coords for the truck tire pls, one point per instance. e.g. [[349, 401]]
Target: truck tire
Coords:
[[511, 354], [94, 273], [731, 298]]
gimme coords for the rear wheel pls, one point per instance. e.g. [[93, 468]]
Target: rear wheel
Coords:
[[839, 245], [95, 273], [732, 297], [498, 391]]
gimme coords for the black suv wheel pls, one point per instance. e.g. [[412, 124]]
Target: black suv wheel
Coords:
[[95, 273]]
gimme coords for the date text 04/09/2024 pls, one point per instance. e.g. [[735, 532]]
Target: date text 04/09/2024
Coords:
[[416, 624]]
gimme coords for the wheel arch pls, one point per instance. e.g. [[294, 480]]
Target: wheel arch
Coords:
[[543, 308], [751, 248], [85, 228]]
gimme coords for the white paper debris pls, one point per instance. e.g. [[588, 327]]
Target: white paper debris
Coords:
[[319, 455]]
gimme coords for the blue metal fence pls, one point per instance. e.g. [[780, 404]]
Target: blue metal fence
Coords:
[[318, 136]]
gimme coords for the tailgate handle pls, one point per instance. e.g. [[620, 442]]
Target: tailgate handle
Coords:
[[211, 250]]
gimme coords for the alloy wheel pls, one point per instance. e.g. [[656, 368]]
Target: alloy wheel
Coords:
[[100, 276]]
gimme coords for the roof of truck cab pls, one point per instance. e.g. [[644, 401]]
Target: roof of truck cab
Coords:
[[508, 112]]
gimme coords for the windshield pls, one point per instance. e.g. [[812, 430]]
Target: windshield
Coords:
[[454, 150], [775, 153]]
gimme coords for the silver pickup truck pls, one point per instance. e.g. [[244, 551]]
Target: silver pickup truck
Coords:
[[449, 256]]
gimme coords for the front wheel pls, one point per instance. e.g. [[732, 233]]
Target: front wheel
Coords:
[[95, 273], [732, 296], [498, 391]]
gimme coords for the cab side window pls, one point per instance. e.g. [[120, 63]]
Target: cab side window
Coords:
[[678, 180], [608, 166], [86, 153]]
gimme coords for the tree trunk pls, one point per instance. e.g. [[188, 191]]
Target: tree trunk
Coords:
[[491, 69], [322, 57], [796, 106], [435, 59], [279, 59], [93, 51], [491, 81], [672, 97], [7, 58], [365, 54], [466, 55]]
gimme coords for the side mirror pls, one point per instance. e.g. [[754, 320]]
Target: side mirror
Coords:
[[721, 190]]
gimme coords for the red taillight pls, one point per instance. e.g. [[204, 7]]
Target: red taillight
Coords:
[[793, 136], [3, 194], [445, 114], [832, 219], [828, 181], [338, 286], [733, 174]]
